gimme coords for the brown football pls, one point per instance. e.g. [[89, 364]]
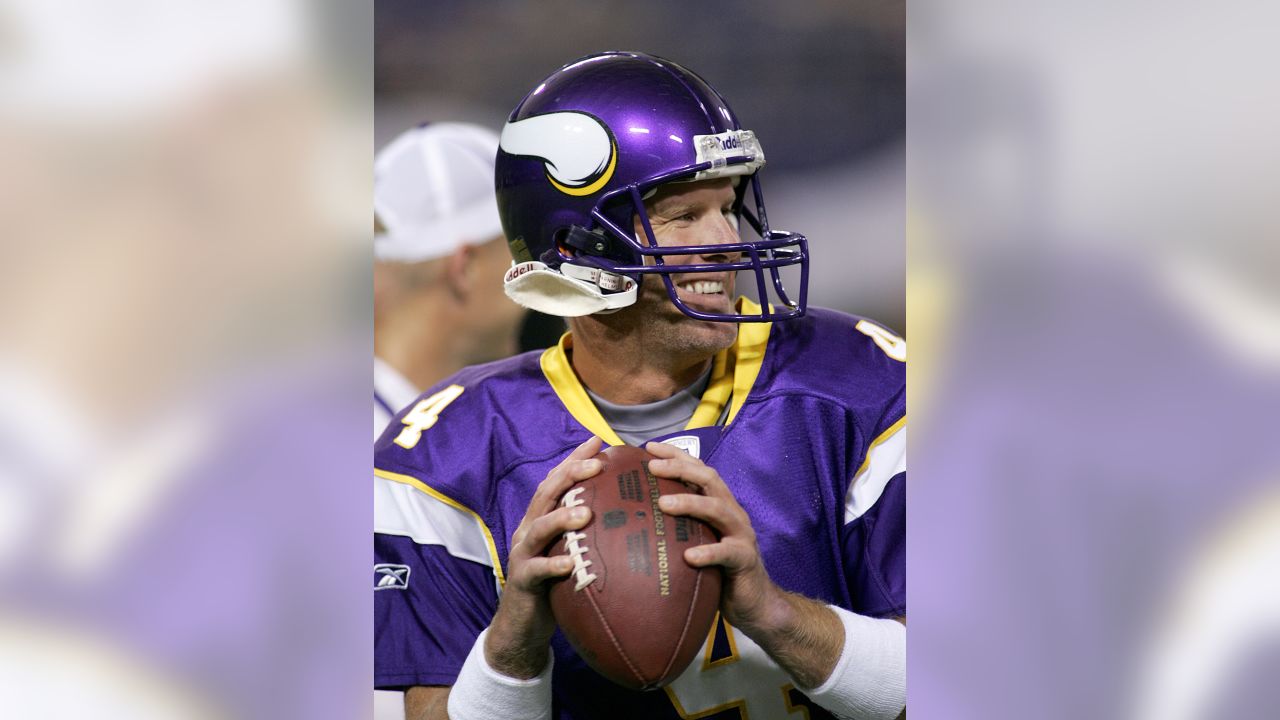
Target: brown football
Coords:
[[633, 608]]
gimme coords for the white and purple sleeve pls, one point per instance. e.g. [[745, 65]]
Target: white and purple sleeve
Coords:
[[874, 532], [435, 583]]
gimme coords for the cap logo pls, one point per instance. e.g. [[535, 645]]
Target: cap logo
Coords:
[[577, 150]]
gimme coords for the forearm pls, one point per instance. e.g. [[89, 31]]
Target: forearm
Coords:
[[519, 638], [869, 681], [511, 651], [426, 703], [483, 692], [852, 665], [803, 636]]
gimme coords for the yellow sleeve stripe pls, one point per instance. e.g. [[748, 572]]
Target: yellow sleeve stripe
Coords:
[[889, 431], [488, 536]]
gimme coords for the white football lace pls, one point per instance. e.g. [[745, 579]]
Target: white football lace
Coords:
[[576, 550]]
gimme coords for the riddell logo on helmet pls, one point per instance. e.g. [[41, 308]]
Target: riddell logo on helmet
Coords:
[[729, 143], [518, 270]]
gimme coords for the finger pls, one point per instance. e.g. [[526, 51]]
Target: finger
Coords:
[[668, 454], [536, 570], [682, 470], [665, 450], [578, 465], [727, 519], [542, 531], [522, 529], [588, 449], [692, 472], [574, 472], [580, 470], [731, 555], [550, 490]]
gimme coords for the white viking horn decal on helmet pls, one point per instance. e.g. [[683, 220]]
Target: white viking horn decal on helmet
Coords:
[[578, 152]]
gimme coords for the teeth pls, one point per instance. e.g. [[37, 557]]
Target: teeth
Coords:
[[703, 287]]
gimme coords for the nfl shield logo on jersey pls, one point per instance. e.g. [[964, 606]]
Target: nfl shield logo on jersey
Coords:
[[688, 443], [390, 577]]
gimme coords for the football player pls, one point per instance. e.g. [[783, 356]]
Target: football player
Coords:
[[439, 254], [625, 184]]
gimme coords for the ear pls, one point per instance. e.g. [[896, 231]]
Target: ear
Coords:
[[460, 272], [384, 288]]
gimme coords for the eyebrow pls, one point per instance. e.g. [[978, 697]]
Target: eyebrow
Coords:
[[680, 207], [673, 208]]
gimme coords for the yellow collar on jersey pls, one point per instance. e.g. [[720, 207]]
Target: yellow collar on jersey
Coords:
[[733, 373]]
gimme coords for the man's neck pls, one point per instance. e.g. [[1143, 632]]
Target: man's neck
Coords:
[[421, 349], [623, 368]]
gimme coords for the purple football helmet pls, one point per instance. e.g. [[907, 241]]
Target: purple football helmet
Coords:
[[581, 153]]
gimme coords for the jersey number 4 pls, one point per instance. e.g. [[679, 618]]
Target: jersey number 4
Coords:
[[424, 415], [892, 345]]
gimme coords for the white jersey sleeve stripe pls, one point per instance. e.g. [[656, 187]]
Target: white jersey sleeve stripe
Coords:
[[886, 457], [406, 506]]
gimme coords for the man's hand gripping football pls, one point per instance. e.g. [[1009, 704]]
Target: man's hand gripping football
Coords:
[[521, 630], [802, 635]]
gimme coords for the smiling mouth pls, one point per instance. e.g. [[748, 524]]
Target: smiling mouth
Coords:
[[702, 287], [705, 295]]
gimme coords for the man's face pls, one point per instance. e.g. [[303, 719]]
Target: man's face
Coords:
[[698, 213]]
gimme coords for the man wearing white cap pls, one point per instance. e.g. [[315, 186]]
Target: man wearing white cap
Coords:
[[439, 253]]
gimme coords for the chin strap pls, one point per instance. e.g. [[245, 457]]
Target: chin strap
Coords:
[[572, 291]]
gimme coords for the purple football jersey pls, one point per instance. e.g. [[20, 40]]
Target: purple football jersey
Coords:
[[813, 450]]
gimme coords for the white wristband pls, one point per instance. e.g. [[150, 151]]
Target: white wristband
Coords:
[[869, 681], [482, 693]]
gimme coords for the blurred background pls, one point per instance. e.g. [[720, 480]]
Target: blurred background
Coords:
[[184, 359], [1094, 305]]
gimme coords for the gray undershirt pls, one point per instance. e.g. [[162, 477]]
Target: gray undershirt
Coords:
[[636, 424]]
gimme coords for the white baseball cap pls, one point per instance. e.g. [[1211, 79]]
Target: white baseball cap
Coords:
[[75, 59], [433, 191]]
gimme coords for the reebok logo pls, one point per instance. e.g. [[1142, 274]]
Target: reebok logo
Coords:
[[390, 577]]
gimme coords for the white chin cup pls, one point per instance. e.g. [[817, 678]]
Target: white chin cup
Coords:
[[572, 291]]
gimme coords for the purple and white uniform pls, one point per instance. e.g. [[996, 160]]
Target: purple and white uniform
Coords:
[[813, 449]]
